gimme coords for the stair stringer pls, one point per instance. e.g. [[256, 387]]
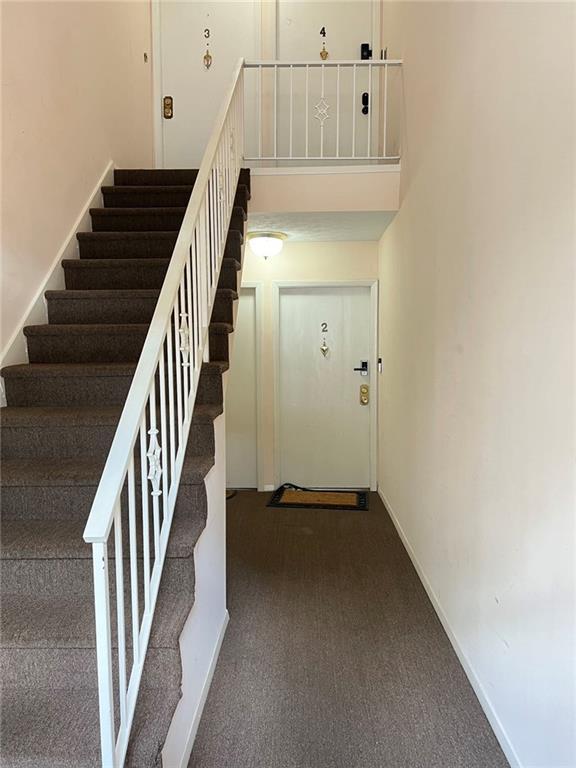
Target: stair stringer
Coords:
[[204, 630]]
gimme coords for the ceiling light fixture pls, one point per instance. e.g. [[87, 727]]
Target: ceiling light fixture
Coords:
[[266, 244]]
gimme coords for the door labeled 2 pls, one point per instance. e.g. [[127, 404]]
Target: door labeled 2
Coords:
[[325, 386]]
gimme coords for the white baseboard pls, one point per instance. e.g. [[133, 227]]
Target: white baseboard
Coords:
[[479, 690], [269, 488], [36, 314], [204, 694]]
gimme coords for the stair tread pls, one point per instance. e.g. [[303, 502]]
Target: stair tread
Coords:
[[44, 621], [77, 329], [49, 472], [128, 235], [43, 416], [146, 262], [149, 188], [56, 539], [104, 293], [221, 328], [51, 370], [205, 413], [74, 711], [141, 211]]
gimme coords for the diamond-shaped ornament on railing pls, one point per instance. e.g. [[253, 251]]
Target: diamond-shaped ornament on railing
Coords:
[[154, 462], [322, 111], [184, 332]]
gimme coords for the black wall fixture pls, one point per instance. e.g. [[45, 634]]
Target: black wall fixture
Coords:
[[365, 51]]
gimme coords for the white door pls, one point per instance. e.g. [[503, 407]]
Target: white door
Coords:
[[229, 30], [324, 427], [303, 28], [241, 399]]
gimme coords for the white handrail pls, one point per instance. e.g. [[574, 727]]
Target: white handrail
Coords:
[[155, 421], [328, 63]]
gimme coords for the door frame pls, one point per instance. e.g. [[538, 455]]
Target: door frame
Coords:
[[277, 287], [256, 287]]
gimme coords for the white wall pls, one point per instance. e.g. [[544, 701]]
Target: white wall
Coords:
[[477, 337], [76, 93], [314, 262]]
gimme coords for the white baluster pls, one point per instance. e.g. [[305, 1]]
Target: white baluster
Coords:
[[104, 653]]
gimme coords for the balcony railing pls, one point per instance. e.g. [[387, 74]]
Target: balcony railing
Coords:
[[303, 111]]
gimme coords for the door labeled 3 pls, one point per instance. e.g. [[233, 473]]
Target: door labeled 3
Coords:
[[324, 386]]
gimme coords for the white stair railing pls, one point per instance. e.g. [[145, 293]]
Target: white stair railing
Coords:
[[322, 110], [139, 484]]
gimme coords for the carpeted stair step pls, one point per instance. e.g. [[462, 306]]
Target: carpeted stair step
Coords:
[[85, 343], [238, 219], [223, 311], [126, 245], [45, 537], [30, 502], [136, 219], [242, 197], [58, 689], [234, 243], [147, 196], [167, 177], [110, 274], [70, 668], [125, 196], [80, 384], [74, 712], [229, 274], [101, 306], [142, 245], [149, 219], [219, 342], [87, 432], [72, 384], [210, 389], [70, 579]]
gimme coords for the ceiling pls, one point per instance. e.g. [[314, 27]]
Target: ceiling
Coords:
[[323, 227]]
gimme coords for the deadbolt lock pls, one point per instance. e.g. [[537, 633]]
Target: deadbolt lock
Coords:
[[168, 107], [364, 394]]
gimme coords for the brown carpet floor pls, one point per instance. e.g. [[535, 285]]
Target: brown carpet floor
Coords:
[[334, 657]]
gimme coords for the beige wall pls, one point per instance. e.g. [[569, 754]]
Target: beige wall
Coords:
[[311, 262], [76, 93], [477, 338]]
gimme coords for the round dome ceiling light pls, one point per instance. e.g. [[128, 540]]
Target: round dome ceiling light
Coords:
[[266, 244]]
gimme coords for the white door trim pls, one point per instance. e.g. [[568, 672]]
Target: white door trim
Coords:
[[277, 287], [156, 24], [256, 287]]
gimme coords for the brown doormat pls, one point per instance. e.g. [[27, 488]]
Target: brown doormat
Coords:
[[303, 498]]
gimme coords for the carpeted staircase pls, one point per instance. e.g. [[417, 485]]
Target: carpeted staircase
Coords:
[[63, 408]]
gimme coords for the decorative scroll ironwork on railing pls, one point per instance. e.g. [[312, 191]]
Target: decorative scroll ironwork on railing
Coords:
[[322, 110], [139, 485]]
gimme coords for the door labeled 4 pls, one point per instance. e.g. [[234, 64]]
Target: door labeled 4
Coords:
[[325, 386]]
